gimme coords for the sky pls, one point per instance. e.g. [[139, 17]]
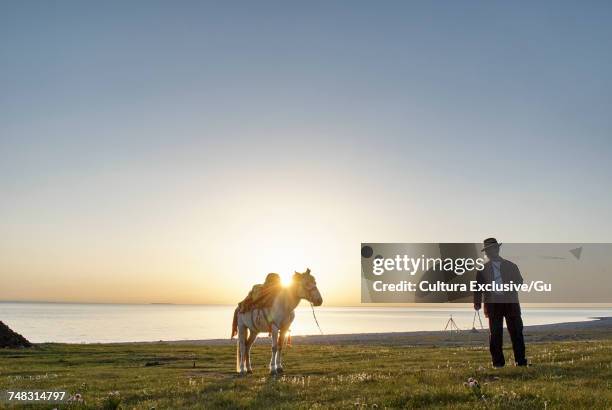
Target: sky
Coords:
[[177, 152]]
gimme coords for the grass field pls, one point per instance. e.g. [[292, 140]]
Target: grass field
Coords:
[[575, 374]]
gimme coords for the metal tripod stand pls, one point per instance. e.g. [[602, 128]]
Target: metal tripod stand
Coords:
[[451, 325]]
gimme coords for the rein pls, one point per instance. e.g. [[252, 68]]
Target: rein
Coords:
[[333, 346], [315, 318]]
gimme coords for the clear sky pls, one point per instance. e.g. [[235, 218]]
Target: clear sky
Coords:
[[178, 151]]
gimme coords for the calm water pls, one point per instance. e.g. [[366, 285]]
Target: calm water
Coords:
[[87, 323]]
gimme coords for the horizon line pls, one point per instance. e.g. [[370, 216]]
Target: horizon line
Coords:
[[365, 305]]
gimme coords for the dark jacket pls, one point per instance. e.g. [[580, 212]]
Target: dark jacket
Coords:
[[493, 301]]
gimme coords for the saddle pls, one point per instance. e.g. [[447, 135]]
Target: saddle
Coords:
[[260, 296]]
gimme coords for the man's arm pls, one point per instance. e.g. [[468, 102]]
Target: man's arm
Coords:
[[518, 278]]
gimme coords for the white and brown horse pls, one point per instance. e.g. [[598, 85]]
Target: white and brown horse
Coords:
[[275, 319]]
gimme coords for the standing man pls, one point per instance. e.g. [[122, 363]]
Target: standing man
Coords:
[[499, 304]]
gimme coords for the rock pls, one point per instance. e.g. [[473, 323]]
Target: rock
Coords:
[[10, 339]]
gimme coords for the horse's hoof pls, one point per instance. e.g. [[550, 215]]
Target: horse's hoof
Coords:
[[273, 372], [280, 370], [250, 371]]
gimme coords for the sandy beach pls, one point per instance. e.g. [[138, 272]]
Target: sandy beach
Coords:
[[598, 328]]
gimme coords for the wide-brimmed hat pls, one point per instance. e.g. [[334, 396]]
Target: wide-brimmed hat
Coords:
[[487, 243]]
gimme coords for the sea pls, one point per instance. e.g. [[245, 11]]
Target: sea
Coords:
[[103, 323]]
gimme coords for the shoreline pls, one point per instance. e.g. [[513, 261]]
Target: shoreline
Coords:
[[597, 328]]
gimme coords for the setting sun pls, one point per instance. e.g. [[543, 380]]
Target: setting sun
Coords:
[[286, 278], [282, 259]]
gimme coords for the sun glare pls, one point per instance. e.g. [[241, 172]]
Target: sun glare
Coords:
[[286, 278], [281, 260]]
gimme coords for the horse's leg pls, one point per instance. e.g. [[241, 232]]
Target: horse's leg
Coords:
[[249, 343], [242, 329], [281, 340], [274, 350]]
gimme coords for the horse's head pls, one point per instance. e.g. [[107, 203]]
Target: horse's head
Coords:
[[306, 287]]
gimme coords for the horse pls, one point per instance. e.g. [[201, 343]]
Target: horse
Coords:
[[275, 319]]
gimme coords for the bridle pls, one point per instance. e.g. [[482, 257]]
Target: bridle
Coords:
[[309, 288]]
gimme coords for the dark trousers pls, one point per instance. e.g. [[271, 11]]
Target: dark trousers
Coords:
[[514, 323]]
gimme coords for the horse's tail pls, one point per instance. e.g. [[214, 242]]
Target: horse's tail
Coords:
[[234, 333], [235, 324], [238, 355]]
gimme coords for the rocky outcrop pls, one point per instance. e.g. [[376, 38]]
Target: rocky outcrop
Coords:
[[10, 339]]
